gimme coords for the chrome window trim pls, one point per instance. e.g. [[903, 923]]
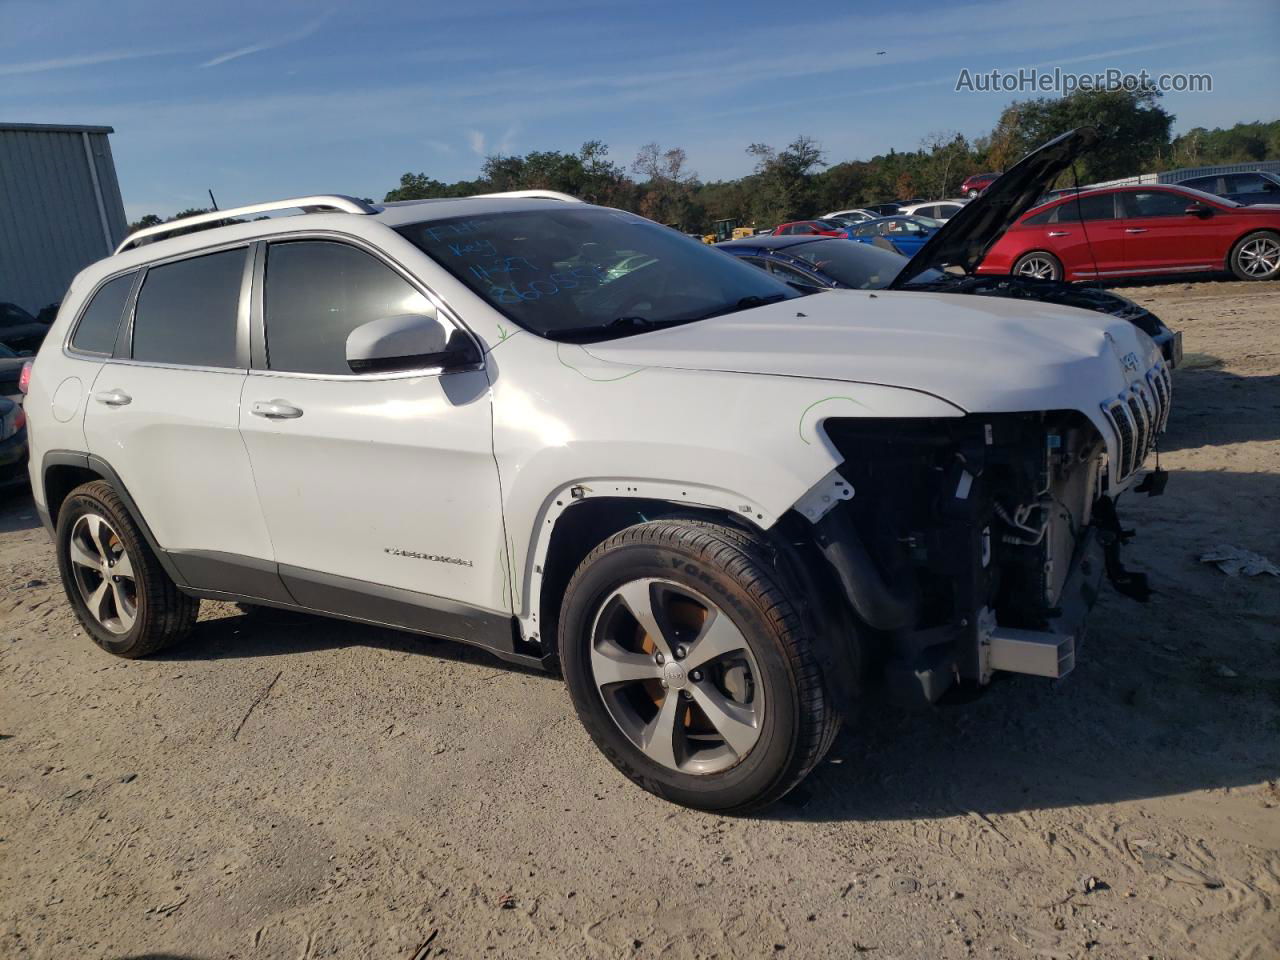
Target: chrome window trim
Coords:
[[132, 312], [443, 310], [77, 353]]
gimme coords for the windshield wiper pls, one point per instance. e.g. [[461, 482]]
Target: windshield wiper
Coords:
[[603, 330], [746, 303]]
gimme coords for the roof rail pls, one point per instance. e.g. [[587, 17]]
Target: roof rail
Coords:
[[334, 203], [533, 195]]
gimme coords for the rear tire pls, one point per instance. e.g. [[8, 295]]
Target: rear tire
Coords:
[[690, 666], [1039, 265], [123, 598], [1256, 256]]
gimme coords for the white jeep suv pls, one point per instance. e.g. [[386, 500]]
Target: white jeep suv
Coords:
[[573, 436]]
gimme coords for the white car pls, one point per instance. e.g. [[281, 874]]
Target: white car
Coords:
[[855, 215], [721, 505], [940, 210]]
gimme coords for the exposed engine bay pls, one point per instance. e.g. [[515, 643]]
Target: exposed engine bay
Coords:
[[983, 539]]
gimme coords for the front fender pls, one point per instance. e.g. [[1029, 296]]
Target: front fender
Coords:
[[567, 425]]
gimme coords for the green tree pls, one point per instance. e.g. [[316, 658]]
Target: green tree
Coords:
[[1133, 125], [784, 179]]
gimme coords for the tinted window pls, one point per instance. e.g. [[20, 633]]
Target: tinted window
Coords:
[[791, 274], [1207, 184], [1094, 207], [12, 315], [317, 292], [552, 270], [1040, 219], [1249, 183], [857, 265], [1154, 203], [946, 210], [186, 311], [96, 332]]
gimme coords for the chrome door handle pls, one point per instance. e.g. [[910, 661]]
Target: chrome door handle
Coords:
[[113, 398], [1135, 230], [1059, 233], [276, 410]]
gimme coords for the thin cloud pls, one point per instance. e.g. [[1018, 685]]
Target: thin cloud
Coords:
[[87, 60], [476, 140], [301, 34]]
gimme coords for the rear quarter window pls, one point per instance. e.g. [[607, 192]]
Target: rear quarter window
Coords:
[[100, 322]]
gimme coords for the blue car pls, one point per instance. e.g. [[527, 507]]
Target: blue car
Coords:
[[903, 233]]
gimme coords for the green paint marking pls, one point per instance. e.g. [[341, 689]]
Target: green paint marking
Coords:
[[503, 333], [800, 426], [585, 376]]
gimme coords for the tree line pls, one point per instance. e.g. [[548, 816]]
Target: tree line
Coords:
[[796, 181]]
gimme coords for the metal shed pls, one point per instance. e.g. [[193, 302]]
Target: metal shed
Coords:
[[60, 208]]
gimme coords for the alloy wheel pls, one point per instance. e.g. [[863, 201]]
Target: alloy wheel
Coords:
[[1259, 257], [1041, 268], [677, 676], [103, 573]]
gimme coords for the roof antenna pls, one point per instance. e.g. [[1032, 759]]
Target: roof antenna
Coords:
[[1075, 179], [211, 200]]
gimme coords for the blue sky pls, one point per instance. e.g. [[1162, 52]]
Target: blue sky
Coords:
[[272, 99]]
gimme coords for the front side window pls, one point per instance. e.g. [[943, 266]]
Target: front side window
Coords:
[[1244, 183], [1154, 203], [316, 292], [187, 311], [570, 271], [96, 331]]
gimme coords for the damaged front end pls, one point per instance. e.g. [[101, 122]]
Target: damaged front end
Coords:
[[971, 545]]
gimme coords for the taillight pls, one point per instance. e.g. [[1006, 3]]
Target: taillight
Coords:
[[24, 379], [19, 419]]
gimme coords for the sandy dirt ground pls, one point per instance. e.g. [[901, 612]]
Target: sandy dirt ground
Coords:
[[290, 787]]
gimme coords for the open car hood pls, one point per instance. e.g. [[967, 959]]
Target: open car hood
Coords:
[[965, 239]]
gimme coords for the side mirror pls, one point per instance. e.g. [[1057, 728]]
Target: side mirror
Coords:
[[1198, 209], [407, 342]]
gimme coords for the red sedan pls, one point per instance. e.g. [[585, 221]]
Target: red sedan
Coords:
[[818, 228], [1135, 231], [975, 183]]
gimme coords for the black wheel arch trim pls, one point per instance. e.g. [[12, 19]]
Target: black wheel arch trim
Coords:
[[95, 464]]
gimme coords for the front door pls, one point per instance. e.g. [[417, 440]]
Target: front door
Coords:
[[380, 491], [1160, 235]]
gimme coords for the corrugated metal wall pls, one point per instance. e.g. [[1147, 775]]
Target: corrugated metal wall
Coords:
[[51, 221]]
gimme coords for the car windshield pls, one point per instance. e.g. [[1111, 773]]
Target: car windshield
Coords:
[[856, 265], [586, 273]]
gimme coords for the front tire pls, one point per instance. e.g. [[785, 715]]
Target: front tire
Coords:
[[1039, 265], [123, 598], [690, 666], [1256, 256], [972, 193]]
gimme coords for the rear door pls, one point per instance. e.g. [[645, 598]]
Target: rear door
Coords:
[[1159, 234], [380, 490], [164, 413], [1084, 233]]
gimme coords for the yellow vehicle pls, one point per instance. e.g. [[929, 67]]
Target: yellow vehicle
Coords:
[[727, 230]]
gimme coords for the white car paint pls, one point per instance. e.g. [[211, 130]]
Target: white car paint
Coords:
[[725, 412], [944, 209], [854, 213]]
